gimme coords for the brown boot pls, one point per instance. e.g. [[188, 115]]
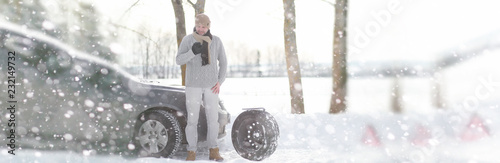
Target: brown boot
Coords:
[[214, 155], [191, 156]]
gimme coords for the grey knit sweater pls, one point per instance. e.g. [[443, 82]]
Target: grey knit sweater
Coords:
[[202, 76]]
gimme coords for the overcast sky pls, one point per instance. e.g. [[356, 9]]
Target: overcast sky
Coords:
[[377, 30]]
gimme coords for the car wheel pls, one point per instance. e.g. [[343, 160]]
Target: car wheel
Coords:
[[255, 135], [157, 134]]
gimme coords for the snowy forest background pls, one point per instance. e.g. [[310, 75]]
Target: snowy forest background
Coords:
[[434, 63], [388, 39]]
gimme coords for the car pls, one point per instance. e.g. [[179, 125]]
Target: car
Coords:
[[69, 100]]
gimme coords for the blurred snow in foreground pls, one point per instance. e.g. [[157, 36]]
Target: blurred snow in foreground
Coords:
[[442, 136]]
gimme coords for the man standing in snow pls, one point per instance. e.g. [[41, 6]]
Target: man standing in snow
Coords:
[[201, 51]]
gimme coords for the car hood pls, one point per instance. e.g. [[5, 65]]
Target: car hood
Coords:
[[160, 84]]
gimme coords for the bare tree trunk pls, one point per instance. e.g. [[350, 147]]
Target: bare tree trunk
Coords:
[[173, 68], [161, 57], [397, 100], [292, 60], [438, 99], [339, 64], [199, 6], [146, 62], [168, 64], [180, 22]]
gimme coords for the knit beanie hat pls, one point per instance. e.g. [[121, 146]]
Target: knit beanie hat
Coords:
[[203, 20]]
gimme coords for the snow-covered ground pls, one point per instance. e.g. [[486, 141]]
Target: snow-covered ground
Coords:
[[356, 136], [319, 137]]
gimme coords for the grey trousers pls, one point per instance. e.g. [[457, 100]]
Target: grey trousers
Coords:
[[193, 102]]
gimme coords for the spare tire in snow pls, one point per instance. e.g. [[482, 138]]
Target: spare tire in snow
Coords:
[[255, 134]]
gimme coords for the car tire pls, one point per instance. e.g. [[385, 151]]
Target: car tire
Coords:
[[157, 134], [255, 135]]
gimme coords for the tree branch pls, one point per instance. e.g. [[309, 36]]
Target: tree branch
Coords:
[[130, 8], [331, 3], [137, 32], [192, 4]]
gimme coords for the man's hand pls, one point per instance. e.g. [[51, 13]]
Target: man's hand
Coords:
[[196, 48], [216, 88]]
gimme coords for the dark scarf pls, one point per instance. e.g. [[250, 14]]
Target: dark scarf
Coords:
[[205, 50]]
